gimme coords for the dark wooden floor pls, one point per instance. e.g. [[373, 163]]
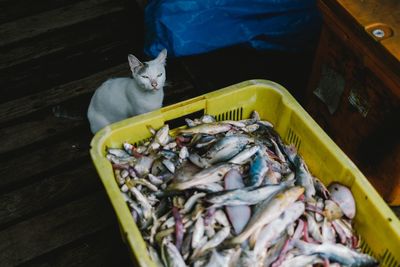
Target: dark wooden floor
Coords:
[[53, 55]]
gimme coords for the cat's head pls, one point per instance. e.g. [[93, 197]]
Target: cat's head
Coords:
[[149, 75]]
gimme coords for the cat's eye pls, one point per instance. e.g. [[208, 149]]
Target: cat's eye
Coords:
[[145, 77], [159, 75]]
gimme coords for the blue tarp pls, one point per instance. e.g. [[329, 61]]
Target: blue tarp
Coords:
[[187, 27]]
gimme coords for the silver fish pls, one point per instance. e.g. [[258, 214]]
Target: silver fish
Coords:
[[301, 261], [189, 204], [210, 187], [274, 229], [198, 232], [156, 180], [217, 239], [171, 255], [133, 182], [207, 128], [267, 257], [184, 153], [337, 253], [244, 155], [258, 169], [144, 203], [313, 228], [269, 211], [120, 153], [244, 196], [226, 148], [154, 256], [143, 166], [238, 124], [304, 178], [207, 119], [121, 161], [209, 175], [251, 128], [169, 165], [162, 137], [225, 258], [190, 123], [248, 259], [199, 161]]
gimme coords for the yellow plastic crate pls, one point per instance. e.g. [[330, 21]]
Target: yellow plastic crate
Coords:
[[375, 222]]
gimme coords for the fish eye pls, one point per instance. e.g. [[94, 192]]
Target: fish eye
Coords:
[[145, 77], [159, 75]]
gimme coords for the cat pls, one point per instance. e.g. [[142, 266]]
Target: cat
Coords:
[[120, 98]]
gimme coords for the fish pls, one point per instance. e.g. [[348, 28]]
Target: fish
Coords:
[[269, 211], [217, 239], [276, 228], [209, 187], [244, 155], [207, 128], [183, 153], [301, 261], [209, 175], [207, 119], [189, 204], [118, 152], [154, 256], [313, 228], [267, 257], [162, 136], [332, 211], [226, 148], [225, 258], [199, 161], [198, 232], [337, 253], [328, 232], [244, 196], [258, 170], [143, 166], [171, 255], [304, 178]]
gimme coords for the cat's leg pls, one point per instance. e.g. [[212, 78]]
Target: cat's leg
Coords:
[[98, 122]]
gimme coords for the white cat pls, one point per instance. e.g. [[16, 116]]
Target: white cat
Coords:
[[121, 98]]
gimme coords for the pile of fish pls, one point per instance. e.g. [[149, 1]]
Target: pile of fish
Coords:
[[231, 193]]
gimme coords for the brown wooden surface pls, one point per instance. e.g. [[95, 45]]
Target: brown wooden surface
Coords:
[[383, 62], [367, 13], [369, 139]]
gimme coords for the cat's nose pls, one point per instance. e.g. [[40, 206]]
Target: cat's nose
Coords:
[[154, 84]]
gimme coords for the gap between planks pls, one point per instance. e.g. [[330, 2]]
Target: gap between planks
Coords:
[[38, 24], [43, 233]]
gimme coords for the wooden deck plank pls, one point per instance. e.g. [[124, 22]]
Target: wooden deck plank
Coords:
[[34, 237], [20, 167], [20, 8], [48, 192], [103, 248], [31, 26], [112, 26], [57, 69], [35, 130], [31, 103]]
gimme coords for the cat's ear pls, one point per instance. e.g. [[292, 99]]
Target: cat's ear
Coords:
[[162, 56], [134, 63]]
